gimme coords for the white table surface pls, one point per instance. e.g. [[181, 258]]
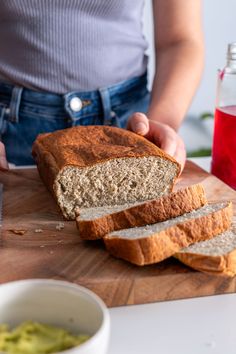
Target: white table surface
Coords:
[[205, 325]]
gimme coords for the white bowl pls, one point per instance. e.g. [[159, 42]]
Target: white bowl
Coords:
[[58, 303]]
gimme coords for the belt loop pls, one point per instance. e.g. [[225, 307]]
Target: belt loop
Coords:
[[2, 122], [15, 104], [106, 106]]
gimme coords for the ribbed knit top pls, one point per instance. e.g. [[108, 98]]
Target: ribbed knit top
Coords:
[[67, 45]]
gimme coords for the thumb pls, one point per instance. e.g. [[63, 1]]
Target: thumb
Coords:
[[138, 123], [3, 160]]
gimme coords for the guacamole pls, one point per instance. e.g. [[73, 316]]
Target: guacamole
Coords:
[[36, 338]]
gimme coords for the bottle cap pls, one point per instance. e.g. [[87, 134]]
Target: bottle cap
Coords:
[[231, 54]]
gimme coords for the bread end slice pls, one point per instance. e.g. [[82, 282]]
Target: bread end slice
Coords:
[[154, 243], [94, 223], [216, 256]]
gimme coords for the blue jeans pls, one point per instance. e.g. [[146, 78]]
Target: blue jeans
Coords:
[[26, 113]]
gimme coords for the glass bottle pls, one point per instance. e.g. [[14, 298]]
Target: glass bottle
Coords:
[[224, 141]]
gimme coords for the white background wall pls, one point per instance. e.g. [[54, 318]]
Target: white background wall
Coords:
[[219, 22]]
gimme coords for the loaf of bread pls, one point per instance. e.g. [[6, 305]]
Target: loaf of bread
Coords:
[[94, 223], [154, 243], [216, 256], [92, 166]]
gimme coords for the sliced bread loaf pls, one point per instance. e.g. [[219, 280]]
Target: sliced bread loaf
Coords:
[[91, 166], [216, 256], [153, 243], [94, 223]]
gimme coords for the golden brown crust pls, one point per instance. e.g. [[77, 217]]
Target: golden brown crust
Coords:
[[150, 212], [223, 265], [159, 246], [46, 164], [88, 145]]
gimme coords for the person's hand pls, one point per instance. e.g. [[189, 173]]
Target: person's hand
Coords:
[[3, 160], [160, 134]]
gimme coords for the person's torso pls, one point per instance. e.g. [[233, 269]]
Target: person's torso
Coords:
[[66, 45]]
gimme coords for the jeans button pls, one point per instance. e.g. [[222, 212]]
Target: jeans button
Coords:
[[76, 104]]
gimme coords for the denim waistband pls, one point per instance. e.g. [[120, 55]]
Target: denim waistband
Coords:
[[38, 97], [96, 101]]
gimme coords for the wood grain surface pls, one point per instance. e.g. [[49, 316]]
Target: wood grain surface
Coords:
[[43, 250]]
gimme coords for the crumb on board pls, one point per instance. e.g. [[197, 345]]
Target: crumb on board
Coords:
[[60, 226], [38, 230], [18, 231]]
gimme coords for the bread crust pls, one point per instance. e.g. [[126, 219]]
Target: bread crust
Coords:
[[223, 265], [85, 146], [150, 212], [161, 245]]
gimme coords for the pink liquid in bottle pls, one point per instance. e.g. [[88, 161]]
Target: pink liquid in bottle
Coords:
[[224, 145]]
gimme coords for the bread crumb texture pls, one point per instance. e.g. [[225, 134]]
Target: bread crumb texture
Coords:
[[219, 245], [113, 182]]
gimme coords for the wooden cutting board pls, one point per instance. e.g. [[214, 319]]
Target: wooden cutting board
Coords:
[[47, 251]]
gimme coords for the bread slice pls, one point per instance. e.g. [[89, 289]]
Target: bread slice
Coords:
[[153, 243], [94, 223], [91, 166], [216, 256]]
